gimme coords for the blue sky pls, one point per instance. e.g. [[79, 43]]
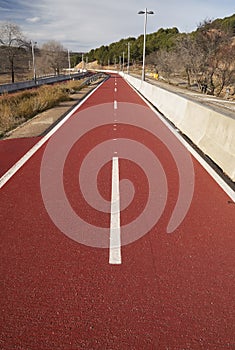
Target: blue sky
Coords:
[[80, 25]]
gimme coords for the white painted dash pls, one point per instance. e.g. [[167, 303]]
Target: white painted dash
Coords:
[[115, 104], [115, 229]]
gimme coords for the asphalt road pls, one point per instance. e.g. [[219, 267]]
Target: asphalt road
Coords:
[[221, 105], [113, 236]]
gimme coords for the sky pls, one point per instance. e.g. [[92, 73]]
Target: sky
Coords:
[[82, 25]]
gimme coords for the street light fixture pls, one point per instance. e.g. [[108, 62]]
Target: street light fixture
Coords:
[[145, 12]]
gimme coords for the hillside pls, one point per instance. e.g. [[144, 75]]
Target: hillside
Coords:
[[163, 39], [227, 23]]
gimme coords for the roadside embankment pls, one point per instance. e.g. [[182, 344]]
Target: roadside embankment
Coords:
[[32, 112], [212, 132]]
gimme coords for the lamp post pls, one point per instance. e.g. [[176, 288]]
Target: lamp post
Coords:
[[69, 63], [82, 62], [145, 13], [128, 57], [34, 66]]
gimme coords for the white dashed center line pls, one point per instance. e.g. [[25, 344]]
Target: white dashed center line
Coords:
[[115, 230]]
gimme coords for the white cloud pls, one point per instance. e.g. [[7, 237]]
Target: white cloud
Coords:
[[33, 19]]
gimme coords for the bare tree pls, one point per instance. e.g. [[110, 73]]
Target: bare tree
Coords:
[[164, 62], [186, 51], [12, 42], [210, 42], [226, 67], [207, 57], [54, 56]]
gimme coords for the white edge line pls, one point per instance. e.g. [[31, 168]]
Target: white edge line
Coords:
[[225, 187], [12, 171], [115, 229]]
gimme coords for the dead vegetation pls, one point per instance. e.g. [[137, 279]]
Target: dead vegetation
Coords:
[[19, 107]]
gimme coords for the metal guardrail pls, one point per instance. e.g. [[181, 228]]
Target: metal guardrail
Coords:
[[93, 78], [4, 88]]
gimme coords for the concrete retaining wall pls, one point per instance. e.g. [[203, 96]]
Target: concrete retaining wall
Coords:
[[212, 132]]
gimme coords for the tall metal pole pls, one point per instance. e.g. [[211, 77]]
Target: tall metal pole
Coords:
[[82, 61], [69, 63], [145, 13], [34, 67], [128, 57], [144, 48], [123, 60]]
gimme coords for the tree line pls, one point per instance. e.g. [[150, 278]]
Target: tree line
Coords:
[[113, 53], [205, 56]]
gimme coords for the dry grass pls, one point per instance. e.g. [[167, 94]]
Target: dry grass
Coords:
[[19, 107]]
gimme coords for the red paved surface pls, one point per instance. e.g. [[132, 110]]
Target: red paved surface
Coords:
[[172, 291], [11, 150]]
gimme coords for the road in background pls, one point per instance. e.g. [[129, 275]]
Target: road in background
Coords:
[[221, 105], [170, 291]]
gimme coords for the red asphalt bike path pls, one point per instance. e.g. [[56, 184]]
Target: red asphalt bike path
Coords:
[[172, 291], [11, 150]]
